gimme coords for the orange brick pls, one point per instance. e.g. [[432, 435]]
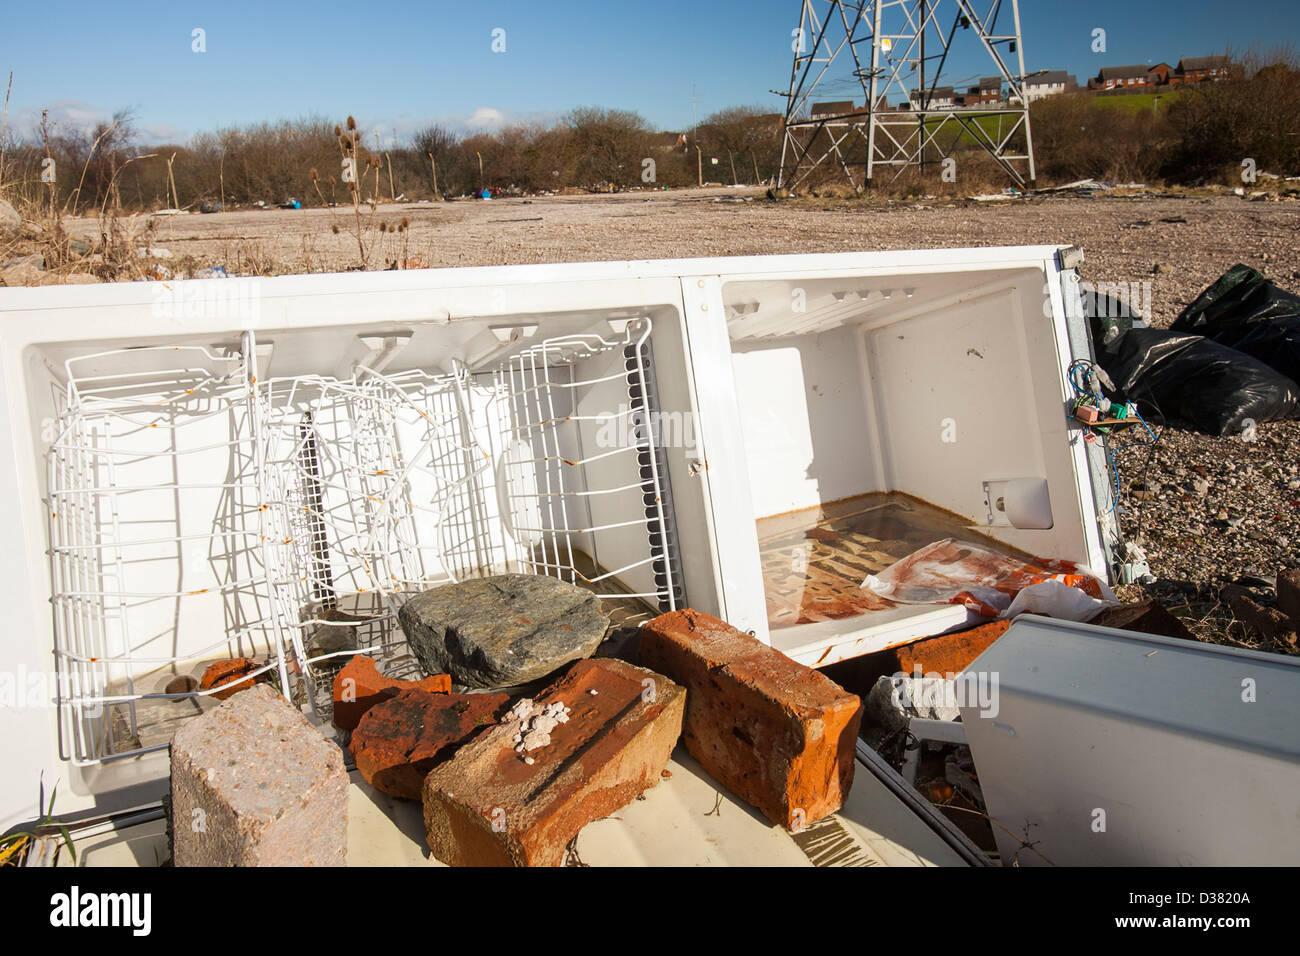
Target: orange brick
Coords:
[[227, 674], [399, 740], [488, 806], [779, 735], [949, 653], [359, 686]]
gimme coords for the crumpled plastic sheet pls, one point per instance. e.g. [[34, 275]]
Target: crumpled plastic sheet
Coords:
[[992, 584]]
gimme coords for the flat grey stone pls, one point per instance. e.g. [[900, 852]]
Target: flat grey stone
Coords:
[[253, 783], [504, 630], [10, 221]]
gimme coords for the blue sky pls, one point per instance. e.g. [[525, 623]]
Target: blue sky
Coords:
[[396, 69]]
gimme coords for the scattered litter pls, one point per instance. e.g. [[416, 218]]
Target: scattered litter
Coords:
[[957, 572]]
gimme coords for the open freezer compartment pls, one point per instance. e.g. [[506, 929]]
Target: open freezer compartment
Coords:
[[262, 493], [885, 411]]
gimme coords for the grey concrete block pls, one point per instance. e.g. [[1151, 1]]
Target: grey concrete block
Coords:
[[255, 784]]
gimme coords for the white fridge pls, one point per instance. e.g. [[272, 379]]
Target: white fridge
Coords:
[[202, 469]]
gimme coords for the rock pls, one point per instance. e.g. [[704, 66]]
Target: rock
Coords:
[[227, 675], [333, 638], [491, 806], [80, 247], [72, 278], [10, 222], [254, 784], [401, 739], [359, 686], [23, 270], [948, 653], [504, 630], [893, 701], [1288, 595], [779, 735]]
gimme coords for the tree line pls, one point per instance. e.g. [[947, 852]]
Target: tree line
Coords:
[[1201, 134]]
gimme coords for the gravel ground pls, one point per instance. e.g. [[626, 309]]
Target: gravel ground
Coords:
[[1210, 511]]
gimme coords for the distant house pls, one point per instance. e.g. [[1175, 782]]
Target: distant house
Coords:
[[940, 98], [669, 142], [1047, 83], [990, 89], [832, 110], [1198, 69], [1138, 78]]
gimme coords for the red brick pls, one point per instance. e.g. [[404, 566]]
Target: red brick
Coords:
[[779, 735], [359, 686], [399, 740], [1288, 595], [229, 672], [488, 807], [949, 653]]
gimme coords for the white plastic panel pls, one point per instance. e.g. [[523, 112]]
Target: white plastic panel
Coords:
[[1112, 748]]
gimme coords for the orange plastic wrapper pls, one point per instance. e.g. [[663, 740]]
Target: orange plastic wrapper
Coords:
[[985, 582]]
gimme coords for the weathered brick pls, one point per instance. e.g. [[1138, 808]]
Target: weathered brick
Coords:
[[399, 740], [253, 783], [949, 653], [1268, 622], [488, 807], [1288, 595], [779, 735], [227, 675], [1145, 617], [359, 686]]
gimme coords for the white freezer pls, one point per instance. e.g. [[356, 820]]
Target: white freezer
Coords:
[[205, 468]]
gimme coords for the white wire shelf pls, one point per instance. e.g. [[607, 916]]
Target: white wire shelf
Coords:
[[197, 512]]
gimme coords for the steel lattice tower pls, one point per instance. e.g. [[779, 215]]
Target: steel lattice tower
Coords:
[[899, 48]]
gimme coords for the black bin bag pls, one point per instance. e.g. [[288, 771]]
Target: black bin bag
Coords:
[[1246, 311], [1194, 379]]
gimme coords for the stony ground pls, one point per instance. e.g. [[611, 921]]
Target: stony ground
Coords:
[[1209, 510]]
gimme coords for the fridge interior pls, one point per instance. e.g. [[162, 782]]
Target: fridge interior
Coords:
[[243, 497], [883, 413]]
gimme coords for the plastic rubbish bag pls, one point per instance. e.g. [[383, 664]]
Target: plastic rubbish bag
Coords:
[[1209, 386], [983, 581], [1247, 312]]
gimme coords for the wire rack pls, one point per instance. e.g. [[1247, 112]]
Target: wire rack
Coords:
[[301, 513]]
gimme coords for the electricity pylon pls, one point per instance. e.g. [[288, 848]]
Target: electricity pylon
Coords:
[[883, 49]]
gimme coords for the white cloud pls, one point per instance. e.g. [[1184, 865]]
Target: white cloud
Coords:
[[398, 131], [66, 116], [485, 119]]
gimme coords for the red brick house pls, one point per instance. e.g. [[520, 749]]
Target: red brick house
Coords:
[[1139, 78], [1198, 69]]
